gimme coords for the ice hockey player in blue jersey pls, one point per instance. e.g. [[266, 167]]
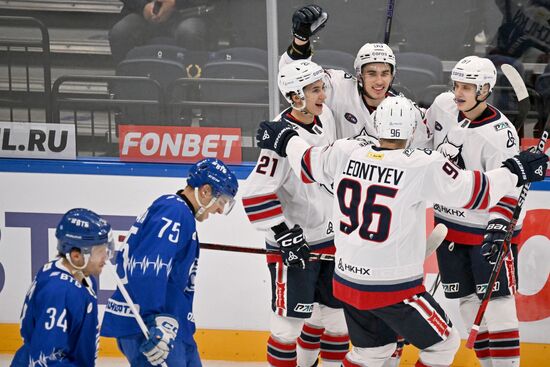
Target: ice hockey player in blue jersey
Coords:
[[158, 264], [59, 322]]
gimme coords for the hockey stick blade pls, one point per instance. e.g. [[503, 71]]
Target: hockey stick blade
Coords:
[[436, 238], [518, 85]]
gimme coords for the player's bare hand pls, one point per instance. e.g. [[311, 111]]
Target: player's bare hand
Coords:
[[167, 8]]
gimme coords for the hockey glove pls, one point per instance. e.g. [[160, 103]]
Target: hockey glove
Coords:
[[294, 249], [528, 166], [307, 21], [161, 339], [493, 239], [274, 135]]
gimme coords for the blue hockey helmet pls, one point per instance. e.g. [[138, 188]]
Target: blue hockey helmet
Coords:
[[83, 229], [215, 173], [224, 184]]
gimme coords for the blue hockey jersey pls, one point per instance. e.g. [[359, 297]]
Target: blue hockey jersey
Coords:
[[158, 264], [59, 323]]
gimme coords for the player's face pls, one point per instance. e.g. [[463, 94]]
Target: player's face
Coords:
[[98, 257], [465, 95], [315, 97], [377, 78], [222, 205]]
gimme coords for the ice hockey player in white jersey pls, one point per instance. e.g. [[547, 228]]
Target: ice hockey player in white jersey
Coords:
[[477, 136], [379, 213], [59, 323], [352, 98], [275, 200]]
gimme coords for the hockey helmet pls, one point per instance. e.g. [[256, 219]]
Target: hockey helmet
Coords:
[[222, 180], [395, 118], [475, 70], [374, 52], [294, 77], [83, 229]]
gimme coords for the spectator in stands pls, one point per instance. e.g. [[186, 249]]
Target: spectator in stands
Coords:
[[146, 19]]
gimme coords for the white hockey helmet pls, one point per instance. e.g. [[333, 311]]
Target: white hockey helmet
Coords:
[[395, 118], [374, 52], [475, 70], [295, 76]]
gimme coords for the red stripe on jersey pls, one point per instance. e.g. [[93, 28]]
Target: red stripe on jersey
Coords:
[[505, 212], [511, 334], [275, 212], [467, 238], [475, 191], [485, 200], [509, 200], [259, 199], [363, 300], [306, 167]]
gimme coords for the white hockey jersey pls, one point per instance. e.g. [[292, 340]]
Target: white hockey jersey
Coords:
[[482, 144], [273, 194], [352, 115], [379, 211]]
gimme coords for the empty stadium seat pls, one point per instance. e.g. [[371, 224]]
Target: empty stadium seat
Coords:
[[334, 59], [416, 72]]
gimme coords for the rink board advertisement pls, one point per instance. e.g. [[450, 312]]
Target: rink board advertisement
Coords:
[[233, 289]]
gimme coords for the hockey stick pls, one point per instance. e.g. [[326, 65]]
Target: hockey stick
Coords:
[[131, 304], [435, 238], [389, 17], [524, 105], [503, 251]]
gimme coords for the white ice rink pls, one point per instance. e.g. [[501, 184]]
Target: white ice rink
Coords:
[[5, 360]]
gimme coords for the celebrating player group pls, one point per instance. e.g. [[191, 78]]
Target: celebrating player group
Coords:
[[340, 191]]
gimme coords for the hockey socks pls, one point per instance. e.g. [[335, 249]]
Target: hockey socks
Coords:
[[281, 354]]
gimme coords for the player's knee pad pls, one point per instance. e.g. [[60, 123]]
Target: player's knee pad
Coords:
[[468, 307], [285, 329], [372, 357], [442, 353], [501, 314], [333, 320]]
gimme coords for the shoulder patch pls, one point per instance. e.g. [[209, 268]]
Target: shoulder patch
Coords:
[[438, 126], [350, 117], [348, 76], [501, 126]]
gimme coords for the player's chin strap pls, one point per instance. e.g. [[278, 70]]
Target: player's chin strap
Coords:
[[203, 208], [77, 271], [478, 101], [302, 109]]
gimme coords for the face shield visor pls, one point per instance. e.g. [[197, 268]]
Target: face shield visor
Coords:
[[225, 203]]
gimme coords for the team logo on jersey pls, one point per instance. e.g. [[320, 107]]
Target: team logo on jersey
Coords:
[[501, 126], [450, 287], [438, 126], [373, 155], [452, 152], [481, 288], [304, 307], [511, 140], [348, 116], [330, 228]]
